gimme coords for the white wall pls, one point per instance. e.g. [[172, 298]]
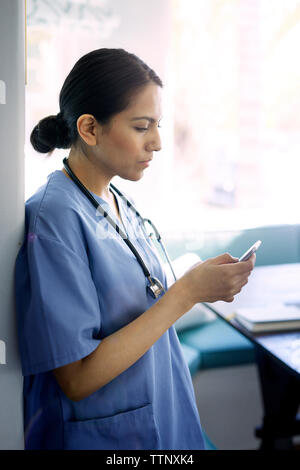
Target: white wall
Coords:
[[12, 27]]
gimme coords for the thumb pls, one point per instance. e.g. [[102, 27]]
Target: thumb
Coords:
[[224, 258]]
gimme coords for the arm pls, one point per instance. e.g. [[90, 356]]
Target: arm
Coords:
[[206, 282], [123, 348]]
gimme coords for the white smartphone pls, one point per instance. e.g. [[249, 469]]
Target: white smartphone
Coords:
[[250, 252]]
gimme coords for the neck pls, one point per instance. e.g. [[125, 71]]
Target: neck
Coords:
[[90, 175]]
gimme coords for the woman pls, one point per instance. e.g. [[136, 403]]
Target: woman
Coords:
[[102, 364]]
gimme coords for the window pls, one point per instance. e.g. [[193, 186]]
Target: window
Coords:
[[231, 125], [237, 108]]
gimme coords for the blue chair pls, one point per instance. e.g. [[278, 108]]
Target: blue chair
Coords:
[[217, 345]]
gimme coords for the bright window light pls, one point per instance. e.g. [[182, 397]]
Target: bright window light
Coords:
[[231, 123]]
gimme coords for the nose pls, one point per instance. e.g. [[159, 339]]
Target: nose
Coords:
[[154, 144]]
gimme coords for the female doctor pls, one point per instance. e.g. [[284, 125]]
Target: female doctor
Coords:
[[102, 364]]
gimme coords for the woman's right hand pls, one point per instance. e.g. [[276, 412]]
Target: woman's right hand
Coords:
[[219, 278]]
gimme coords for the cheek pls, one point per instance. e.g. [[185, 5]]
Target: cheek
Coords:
[[126, 143]]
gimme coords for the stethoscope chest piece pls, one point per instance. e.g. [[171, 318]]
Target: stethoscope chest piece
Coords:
[[155, 288]]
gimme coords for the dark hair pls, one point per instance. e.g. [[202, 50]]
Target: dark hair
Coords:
[[101, 83]]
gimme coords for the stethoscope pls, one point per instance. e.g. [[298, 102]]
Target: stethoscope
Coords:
[[155, 287]]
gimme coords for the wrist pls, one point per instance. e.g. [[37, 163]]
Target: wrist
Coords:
[[180, 293]]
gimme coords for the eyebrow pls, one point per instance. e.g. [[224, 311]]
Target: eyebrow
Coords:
[[147, 118]]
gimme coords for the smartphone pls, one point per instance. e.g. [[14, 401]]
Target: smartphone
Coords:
[[250, 252]]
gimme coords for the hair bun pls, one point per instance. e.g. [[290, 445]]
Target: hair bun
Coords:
[[50, 133]]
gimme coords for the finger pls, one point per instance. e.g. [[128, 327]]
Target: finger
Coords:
[[224, 258], [243, 281], [237, 286], [251, 260], [242, 267], [243, 284]]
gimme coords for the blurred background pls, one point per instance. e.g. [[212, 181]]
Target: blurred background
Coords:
[[231, 122]]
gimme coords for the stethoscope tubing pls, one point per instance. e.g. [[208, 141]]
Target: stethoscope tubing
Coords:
[[116, 226]]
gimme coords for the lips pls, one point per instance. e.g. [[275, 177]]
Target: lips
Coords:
[[145, 163]]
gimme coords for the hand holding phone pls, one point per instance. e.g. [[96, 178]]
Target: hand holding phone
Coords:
[[250, 252]]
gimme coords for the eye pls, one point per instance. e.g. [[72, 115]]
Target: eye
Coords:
[[141, 129]]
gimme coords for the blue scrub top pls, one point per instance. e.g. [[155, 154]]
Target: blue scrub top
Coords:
[[76, 283]]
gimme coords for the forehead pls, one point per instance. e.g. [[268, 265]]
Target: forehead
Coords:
[[146, 102]]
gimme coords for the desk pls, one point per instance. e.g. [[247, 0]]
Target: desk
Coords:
[[278, 354]]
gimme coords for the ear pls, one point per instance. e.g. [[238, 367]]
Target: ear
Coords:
[[87, 128]]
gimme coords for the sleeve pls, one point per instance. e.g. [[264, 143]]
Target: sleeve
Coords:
[[57, 305]]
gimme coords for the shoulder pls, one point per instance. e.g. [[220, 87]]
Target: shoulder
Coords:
[[56, 210], [54, 195]]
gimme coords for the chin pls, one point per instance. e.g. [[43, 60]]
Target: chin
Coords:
[[134, 177]]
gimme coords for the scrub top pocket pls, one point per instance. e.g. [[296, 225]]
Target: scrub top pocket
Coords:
[[134, 429]]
